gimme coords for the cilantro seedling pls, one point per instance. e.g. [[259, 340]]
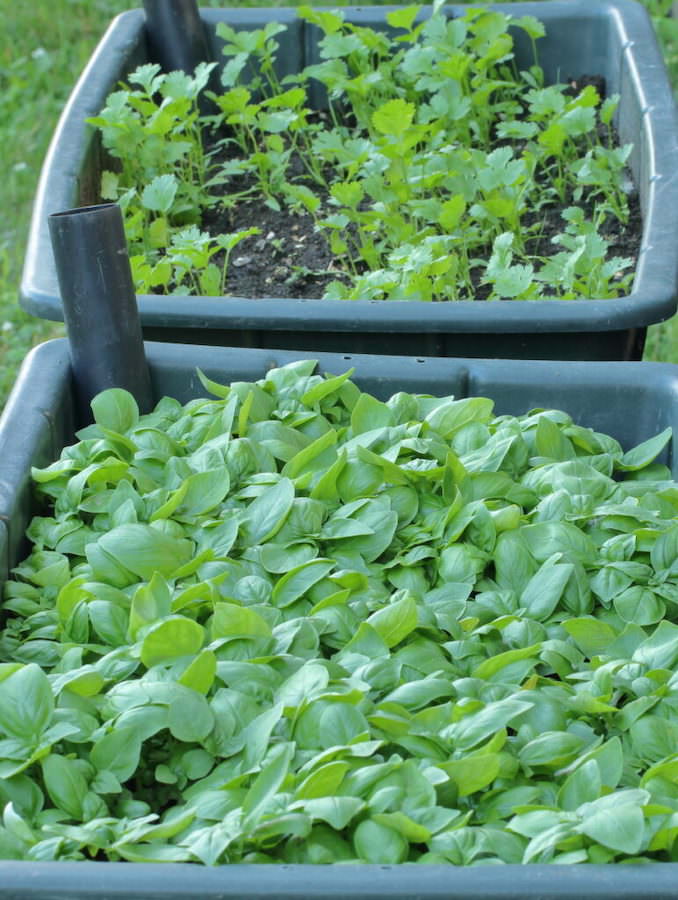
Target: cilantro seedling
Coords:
[[431, 138]]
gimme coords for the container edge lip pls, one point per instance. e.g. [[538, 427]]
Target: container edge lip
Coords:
[[654, 881], [54, 352], [158, 353], [265, 313], [528, 316]]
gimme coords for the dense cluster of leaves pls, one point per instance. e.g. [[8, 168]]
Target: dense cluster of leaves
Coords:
[[433, 169], [297, 623]]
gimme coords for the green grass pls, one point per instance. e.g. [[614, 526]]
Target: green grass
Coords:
[[43, 46]]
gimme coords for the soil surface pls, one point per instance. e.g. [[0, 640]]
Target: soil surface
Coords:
[[290, 258]]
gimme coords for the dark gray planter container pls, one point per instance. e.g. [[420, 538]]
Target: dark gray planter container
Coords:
[[41, 417], [613, 38]]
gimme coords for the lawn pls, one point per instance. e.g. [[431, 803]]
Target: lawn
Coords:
[[43, 47]]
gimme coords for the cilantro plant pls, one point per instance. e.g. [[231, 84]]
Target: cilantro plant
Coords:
[[299, 624], [436, 171]]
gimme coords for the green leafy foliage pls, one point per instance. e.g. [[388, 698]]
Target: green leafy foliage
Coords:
[[431, 175], [296, 623]]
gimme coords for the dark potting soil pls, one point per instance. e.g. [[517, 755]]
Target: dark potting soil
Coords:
[[288, 258], [291, 258]]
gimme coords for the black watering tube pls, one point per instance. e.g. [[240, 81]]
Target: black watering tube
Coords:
[[176, 35], [100, 308]]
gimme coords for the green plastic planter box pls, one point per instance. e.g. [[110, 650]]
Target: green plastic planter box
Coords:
[[612, 38], [632, 401]]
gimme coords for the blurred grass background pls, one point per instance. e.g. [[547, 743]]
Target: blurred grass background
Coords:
[[44, 45]]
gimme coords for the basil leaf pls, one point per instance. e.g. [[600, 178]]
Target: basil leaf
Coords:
[[26, 703], [175, 636], [115, 410], [144, 550], [266, 514]]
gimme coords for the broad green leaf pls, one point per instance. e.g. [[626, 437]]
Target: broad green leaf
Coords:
[[325, 388], [153, 852], [530, 24], [664, 553], [451, 212], [117, 752], [312, 456], [473, 773], [395, 621], [382, 522], [368, 414], [420, 693], [218, 537], [660, 650], [376, 843], [295, 583], [358, 479], [582, 786], [151, 602], [309, 679], [219, 390], [653, 737], [145, 550], [645, 453], [116, 410], [190, 717], [453, 415], [324, 781], [267, 782], [84, 681], [204, 491], [609, 758], [200, 673], [258, 734], [552, 748], [26, 703], [478, 726], [330, 22], [65, 783], [513, 563], [279, 558], [208, 844], [336, 811], [326, 724], [620, 828], [544, 590], [266, 514], [639, 606], [592, 636], [496, 663], [173, 637], [551, 442], [546, 538], [233, 621]]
